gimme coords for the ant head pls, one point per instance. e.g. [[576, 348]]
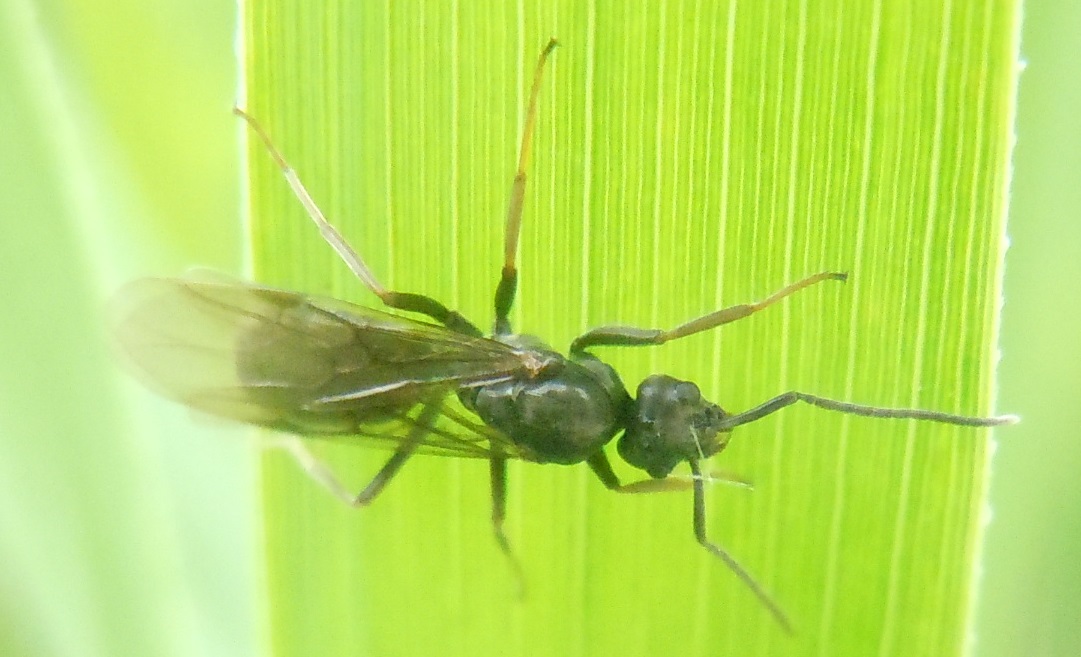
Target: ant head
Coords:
[[670, 423]]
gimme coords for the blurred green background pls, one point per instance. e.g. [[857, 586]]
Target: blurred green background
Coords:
[[125, 528]]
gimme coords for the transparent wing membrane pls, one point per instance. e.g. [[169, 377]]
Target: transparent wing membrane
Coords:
[[303, 364]]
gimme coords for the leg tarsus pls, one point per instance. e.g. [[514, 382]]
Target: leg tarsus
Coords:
[[318, 470], [321, 473], [351, 258], [417, 303], [629, 336], [313, 467], [508, 282]]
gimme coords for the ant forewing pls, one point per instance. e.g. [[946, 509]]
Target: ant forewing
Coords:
[[300, 363], [319, 367]]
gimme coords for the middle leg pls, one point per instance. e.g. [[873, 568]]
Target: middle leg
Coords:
[[498, 470]]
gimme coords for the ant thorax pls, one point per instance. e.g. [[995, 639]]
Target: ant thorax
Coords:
[[564, 415]]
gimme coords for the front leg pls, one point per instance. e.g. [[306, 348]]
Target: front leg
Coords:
[[717, 551], [629, 336], [602, 467]]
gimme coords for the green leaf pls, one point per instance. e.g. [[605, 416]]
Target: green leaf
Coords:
[[688, 156], [113, 507]]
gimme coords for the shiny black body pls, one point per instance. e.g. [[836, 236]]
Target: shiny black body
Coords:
[[565, 417]]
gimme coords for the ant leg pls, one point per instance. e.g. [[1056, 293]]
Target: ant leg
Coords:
[[498, 470], [417, 303], [320, 472], [680, 482], [631, 336], [789, 398], [508, 281], [733, 565], [602, 467], [313, 467]]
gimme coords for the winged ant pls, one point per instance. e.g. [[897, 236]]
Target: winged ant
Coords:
[[316, 367]]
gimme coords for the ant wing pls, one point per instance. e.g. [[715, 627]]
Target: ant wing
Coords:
[[454, 432], [305, 364]]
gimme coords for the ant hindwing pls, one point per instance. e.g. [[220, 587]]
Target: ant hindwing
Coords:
[[319, 367]]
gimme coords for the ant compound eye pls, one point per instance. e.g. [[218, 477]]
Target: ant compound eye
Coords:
[[686, 393]]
